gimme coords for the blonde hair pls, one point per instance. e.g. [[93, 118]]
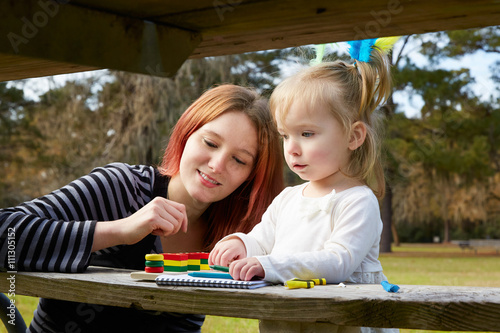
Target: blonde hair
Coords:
[[352, 93]]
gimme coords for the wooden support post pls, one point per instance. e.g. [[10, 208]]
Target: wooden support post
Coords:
[[62, 32]]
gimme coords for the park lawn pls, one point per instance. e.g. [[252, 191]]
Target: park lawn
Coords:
[[452, 270], [458, 271]]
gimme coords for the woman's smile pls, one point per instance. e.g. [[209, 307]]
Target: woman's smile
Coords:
[[208, 179]]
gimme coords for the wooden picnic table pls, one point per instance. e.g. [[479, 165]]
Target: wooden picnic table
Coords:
[[278, 308]]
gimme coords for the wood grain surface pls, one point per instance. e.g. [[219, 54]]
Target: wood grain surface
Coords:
[[415, 307]]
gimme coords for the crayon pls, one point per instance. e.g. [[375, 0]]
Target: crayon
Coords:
[[220, 268], [317, 282], [296, 284], [211, 275]]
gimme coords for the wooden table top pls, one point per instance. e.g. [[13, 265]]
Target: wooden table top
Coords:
[[416, 307]]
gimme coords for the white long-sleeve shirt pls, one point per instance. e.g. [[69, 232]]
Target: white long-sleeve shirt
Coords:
[[335, 237]]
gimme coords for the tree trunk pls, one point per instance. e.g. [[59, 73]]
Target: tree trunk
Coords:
[[395, 235], [446, 231], [385, 242]]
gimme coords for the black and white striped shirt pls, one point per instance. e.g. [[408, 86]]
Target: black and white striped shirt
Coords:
[[54, 233]]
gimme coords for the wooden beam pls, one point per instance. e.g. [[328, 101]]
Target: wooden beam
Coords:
[[16, 67], [233, 27], [56, 31], [149, 9], [156, 36]]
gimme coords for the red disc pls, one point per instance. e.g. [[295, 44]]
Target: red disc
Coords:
[[154, 269]]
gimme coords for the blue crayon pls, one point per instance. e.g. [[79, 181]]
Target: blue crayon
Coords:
[[212, 275]]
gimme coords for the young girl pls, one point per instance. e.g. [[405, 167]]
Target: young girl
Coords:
[[330, 226]]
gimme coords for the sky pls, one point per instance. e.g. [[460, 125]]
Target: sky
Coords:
[[479, 65], [37, 86]]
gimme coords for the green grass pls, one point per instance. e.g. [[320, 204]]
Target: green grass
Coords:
[[409, 264], [26, 306], [470, 271]]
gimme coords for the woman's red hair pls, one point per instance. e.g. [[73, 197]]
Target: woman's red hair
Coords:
[[242, 209]]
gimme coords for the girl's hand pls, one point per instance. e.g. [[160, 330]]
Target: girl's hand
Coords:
[[160, 217], [225, 252], [246, 269]]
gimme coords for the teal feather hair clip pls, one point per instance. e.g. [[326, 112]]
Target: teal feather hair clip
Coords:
[[361, 49]]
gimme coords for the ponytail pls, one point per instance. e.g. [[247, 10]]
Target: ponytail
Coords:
[[375, 87]]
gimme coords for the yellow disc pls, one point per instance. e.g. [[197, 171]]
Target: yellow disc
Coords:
[[153, 256]]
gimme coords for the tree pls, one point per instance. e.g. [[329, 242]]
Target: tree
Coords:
[[451, 150], [15, 135]]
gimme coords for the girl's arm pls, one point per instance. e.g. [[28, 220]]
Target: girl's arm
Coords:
[[56, 232], [240, 246], [260, 240]]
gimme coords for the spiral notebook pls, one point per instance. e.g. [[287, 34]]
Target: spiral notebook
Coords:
[[191, 281]]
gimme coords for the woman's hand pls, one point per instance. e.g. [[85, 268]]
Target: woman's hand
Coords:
[[227, 251], [160, 217], [245, 269]]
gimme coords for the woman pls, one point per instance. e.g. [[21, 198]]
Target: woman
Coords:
[[221, 169]]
